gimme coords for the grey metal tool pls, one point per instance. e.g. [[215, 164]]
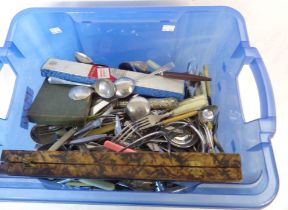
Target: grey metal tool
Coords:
[[88, 139], [94, 124], [118, 128]]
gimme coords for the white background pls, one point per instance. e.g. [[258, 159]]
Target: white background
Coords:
[[267, 24]]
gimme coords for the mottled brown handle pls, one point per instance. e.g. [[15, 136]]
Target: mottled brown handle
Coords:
[[187, 159], [185, 76], [184, 166], [125, 172]]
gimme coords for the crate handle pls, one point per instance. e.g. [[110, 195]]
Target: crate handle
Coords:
[[267, 104], [7, 83]]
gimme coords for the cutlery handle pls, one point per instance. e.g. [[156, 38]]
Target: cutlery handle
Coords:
[[193, 99], [185, 76], [102, 130], [206, 74], [179, 117], [116, 147], [192, 106], [57, 81], [62, 140], [155, 103], [161, 70], [98, 183]]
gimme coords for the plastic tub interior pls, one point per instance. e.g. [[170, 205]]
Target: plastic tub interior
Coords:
[[215, 36]]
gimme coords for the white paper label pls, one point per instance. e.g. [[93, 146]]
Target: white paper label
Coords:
[[168, 27], [55, 30], [103, 73]]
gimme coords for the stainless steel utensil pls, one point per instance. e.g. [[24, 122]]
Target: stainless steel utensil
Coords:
[[97, 107], [155, 103], [128, 130], [62, 140], [206, 118], [150, 120], [162, 69], [79, 92], [95, 123], [88, 139], [147, 138], [83, 58], [105, 88], [57, 81], [184, 138], [124, 87], [118, 128], [45, 134], [185, 143], [137, 108]]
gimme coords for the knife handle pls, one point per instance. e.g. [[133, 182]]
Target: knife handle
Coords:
[[179, 117], [185, 76], [116, 147]]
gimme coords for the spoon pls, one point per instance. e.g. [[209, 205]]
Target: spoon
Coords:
[[207, 114], [45, 134], [207, 117], [105, 88], [181, 138], [137, 108], [124, 87], [185, 142], [83, 58], [79, 92]]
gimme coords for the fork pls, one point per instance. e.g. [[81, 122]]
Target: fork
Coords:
[[188, 106], [150, 120], [127, 131]]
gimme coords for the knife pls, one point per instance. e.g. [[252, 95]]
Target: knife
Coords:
[[184, 76]]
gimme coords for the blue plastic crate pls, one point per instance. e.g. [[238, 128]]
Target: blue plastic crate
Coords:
[[215, 36]]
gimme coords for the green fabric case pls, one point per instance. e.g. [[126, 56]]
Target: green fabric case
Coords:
[[52, 106]]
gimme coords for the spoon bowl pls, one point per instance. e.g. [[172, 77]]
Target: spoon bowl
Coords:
[[124, 87], [83, 58], [207, 114], [105, 88], [45, 134], [79, 93], [137, 108]]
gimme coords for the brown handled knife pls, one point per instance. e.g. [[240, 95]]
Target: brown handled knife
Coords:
[[184, 76]]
